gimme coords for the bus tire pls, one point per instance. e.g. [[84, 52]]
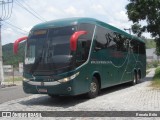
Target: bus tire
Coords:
[[134, 79], [138, 76], [94, 88]]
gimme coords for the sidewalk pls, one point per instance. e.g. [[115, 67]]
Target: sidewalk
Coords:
[[11, 83], [150, 69]]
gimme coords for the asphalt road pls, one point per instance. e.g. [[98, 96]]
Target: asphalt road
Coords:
[[11, 93]]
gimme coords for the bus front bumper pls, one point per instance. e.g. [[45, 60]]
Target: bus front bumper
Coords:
[[54, 88]]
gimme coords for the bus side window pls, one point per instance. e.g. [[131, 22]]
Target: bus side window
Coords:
[[126, 44], [121, 42], [112, 45], [103, 38], [142, 48], [135, 46]]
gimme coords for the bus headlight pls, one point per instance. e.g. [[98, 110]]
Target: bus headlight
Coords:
[[68, 78], [25, 79]]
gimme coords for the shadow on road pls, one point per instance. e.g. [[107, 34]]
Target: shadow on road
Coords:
[[63, 101], [122, 86], [147, 79], [66, 102]]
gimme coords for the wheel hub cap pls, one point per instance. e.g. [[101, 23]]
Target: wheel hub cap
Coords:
[[93, 87]]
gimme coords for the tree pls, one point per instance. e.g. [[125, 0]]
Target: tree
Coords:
[[149, 11]]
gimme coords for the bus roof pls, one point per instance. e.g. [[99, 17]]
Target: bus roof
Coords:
[[76, 20]]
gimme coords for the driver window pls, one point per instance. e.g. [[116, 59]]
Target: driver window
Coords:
[[84, 42]]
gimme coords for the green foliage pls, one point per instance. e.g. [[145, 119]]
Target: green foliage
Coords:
[[137, 29], [157, 46], [155, 64], [150, 44], [157, 73], [9, 58], [156, 79], [148, 10], [152, 64], [10, 79]]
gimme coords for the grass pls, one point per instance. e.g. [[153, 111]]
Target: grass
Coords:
[[152, 64], [16, 79], [156, 79]]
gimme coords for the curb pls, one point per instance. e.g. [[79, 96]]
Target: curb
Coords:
[[4, 86]]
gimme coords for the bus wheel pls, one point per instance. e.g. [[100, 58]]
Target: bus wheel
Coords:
[[134, 79], [94, 88], [138, 77]]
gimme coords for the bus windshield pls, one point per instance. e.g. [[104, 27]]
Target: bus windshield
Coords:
[[48, 50]]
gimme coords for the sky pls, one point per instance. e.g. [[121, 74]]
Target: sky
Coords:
[[109, 11]]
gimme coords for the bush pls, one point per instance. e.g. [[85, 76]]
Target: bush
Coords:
[[157, 74], [156, 79], [152, 64], [155, 64]]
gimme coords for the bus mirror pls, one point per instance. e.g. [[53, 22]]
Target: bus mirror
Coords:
[[74, 39], [16, 43]]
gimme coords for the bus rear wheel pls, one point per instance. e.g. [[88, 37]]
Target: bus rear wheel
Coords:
[[94, 88], [134, 79], [139, 77]]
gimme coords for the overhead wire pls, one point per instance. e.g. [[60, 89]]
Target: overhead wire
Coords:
[[6, 11], [15, 26], [22, 6], [2, 3], [3, 10], [33, 10], [18, 33], [10, 8]]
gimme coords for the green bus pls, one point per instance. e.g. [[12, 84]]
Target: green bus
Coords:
[[80, 55]]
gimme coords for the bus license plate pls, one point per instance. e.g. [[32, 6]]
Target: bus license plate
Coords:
[[42, 90]]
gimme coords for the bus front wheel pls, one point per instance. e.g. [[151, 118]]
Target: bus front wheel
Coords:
[[94, 88]]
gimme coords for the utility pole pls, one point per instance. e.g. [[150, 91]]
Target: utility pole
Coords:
[[1, 61], [5, 13], [129, 29]]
